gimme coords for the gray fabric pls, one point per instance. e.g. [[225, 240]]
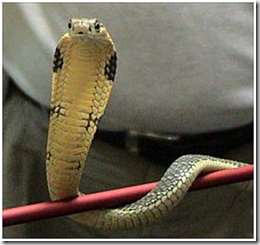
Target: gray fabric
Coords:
[[221, 212], [188, 64]]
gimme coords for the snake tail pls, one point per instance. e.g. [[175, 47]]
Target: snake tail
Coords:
[[155, 205]]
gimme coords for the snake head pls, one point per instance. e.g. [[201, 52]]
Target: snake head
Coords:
[[86, 27]]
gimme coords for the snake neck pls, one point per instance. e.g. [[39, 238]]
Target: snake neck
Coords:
[[79, 96]]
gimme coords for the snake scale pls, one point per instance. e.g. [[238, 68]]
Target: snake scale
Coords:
[[83, 75]]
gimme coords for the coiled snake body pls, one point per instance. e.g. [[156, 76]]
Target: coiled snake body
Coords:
[[83, 75]]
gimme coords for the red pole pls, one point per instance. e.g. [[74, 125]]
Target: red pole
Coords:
[[38, 211]]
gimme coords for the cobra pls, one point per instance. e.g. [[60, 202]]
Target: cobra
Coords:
[[83, 75]]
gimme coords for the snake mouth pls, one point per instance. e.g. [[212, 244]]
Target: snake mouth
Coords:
[[84, 35]]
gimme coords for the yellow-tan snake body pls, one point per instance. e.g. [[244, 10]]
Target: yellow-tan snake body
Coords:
[[84, 70]]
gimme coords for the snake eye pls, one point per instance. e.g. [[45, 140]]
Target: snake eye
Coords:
[[97, 26], [69, 25]]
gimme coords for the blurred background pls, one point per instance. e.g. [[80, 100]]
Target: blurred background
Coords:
[[184, 84]]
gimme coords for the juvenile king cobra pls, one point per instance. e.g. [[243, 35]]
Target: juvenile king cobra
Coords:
[[83, 75]]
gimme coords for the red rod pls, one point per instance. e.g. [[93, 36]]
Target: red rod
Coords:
[[44, 210]]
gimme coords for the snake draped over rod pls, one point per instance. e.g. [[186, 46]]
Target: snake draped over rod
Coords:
[[83, 75]]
